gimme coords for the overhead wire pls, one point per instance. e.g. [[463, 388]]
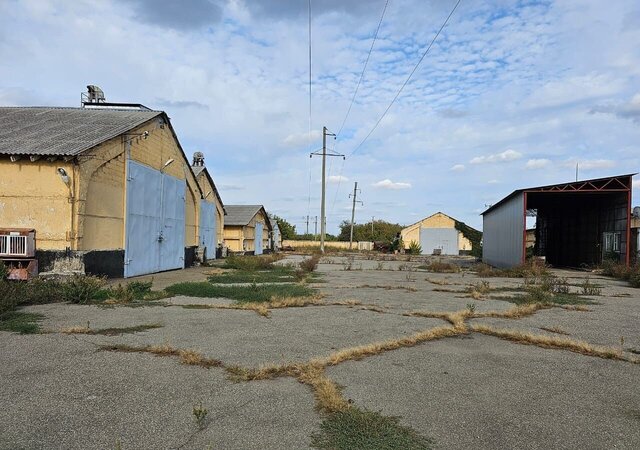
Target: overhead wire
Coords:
[[444, 24], [310, 116], [353, 97], [364, 68]]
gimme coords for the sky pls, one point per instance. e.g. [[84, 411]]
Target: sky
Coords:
[[512, 94]]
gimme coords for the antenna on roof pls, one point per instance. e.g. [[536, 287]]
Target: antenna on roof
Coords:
[[93, 95]]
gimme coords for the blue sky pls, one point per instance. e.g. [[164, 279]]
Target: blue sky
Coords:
[[513, 94]]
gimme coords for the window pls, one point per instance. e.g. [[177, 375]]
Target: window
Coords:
[[611, 242]]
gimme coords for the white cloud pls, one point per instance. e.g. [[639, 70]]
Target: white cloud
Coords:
[[494, 181], [388, 184], [538, 163], [457, 168], [302, 139], [636, 184], [589, 164], [507, 155], [335, 179]]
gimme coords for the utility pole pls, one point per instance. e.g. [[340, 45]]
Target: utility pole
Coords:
[[315, 234], [576, 171], [323, 220], [353, 212], [307, 219], [372, 220]]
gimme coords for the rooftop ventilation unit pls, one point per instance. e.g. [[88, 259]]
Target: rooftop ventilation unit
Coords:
[[93, 95], [636, 212]]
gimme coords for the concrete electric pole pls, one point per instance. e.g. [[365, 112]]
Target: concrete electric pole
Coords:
[[323, 219], [353, 212]]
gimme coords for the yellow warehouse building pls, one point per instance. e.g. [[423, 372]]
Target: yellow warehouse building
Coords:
[[247, 229], [106, 184], [440, 234]]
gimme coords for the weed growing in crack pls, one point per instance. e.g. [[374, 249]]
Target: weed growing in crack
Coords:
[[200, 415], [589, 288], [471, 307]]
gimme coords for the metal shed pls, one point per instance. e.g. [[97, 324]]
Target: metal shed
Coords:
[[577, 224]]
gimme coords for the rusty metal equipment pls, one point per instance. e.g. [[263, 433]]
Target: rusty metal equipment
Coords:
[[18, 252]]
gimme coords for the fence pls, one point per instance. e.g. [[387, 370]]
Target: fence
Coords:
[[364, 245]]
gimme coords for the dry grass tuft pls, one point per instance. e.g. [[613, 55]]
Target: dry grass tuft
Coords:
[[555, 330], [575, 308], [362, 351], [442, 282], [76, 330], [517, 312], [455, 318], [373, 308], [187, 357], [554, 342], [328, 397]]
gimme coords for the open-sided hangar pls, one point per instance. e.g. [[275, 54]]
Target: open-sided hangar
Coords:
[[577, 224]]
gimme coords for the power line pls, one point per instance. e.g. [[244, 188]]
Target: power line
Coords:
[[375, 36], [310, 123], [408, 79]]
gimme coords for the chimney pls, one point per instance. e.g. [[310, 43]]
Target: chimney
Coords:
[[198, 159]]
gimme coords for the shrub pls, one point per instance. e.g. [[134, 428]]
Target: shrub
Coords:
[[8, 296], [3, 271], [532, 268], [415, 248], [81, 288], [140, 289], [441, 267], [252, 263], [310, 264], [588, 288]]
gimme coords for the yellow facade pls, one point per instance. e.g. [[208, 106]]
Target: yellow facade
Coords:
[[209, 192], [32, 195], [90, 213], [241, 238], [438, 220]]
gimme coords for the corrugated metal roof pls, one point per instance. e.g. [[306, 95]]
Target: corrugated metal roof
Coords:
[[240, 214], [559, 187], [63, 131]]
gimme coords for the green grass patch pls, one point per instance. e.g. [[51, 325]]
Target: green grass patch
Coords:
[[252, 263], [279, 274], [249, 293], [357, 429], [547, 298], [20, 322]]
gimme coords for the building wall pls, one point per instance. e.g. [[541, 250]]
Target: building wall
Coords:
[[503, 234], [206, 187], [233, 237], [241, 238], [438, 220], [32, 195], [102, 179]]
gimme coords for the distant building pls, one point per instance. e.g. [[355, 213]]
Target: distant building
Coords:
[[106, 184], [578, 224], [276, 236], [211, 210], [247, 229], [440, 234]]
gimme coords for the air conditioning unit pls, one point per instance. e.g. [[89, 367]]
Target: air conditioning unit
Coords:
[[17, 243], [18, 252]]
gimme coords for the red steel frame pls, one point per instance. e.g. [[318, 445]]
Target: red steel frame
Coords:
[[583, 186]]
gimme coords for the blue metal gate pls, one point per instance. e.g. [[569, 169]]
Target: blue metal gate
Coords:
[[208, 228], [155, 221], [257, 240]]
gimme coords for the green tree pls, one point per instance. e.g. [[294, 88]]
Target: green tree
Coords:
[[287, 231], [381, 231]]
